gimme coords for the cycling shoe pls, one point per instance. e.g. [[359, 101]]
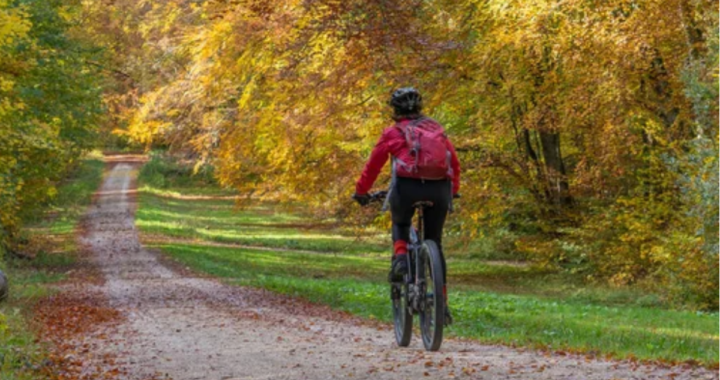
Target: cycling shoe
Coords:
[[399, 268]]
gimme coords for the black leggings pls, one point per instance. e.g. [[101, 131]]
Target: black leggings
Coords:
[[407, 191]]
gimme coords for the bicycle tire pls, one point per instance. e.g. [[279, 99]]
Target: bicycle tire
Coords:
[[432, 315], [402, 318]]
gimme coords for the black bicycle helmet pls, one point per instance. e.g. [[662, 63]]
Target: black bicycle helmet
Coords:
[[406, 101]]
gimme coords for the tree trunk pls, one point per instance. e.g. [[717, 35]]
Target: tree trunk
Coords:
[[558, 187]]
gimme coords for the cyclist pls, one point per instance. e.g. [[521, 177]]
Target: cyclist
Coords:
[[412, 141]]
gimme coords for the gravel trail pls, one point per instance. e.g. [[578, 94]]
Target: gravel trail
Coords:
[[182, 326]]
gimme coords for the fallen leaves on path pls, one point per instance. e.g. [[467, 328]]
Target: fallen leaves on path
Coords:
[[76, 323]]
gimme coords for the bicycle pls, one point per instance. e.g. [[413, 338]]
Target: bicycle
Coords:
[[421, 290]]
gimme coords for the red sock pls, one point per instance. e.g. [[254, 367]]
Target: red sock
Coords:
[[400, 247]]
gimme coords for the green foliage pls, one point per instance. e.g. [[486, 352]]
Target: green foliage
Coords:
[[51, 104], [20, 354], [693, 248], [492, 244], [163, 172]]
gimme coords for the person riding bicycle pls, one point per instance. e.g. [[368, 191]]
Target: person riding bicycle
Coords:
[[425, 168]]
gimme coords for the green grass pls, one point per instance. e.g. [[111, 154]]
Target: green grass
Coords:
[[219, 221], [492, 302], [20, 354], [165, 213]]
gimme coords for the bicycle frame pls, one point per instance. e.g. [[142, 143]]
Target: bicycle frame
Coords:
[[415, 278]]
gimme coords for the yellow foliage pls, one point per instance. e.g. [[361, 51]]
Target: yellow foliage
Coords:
[[565, 114], [49, 103]]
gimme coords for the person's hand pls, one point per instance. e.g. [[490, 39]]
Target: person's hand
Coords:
[[456, 196], [361, 199]]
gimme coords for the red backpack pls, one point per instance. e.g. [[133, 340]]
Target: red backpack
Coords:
[[427, 156]]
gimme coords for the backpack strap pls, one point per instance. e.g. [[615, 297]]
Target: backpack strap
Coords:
[[393, 182]]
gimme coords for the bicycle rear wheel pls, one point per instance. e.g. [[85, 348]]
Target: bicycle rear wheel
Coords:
[[432, 312], [401, 313]]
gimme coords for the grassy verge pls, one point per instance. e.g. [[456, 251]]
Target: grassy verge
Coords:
[[51, 239], [492, 302]]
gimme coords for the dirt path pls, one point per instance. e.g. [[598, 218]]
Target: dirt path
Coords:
[[182, 326]]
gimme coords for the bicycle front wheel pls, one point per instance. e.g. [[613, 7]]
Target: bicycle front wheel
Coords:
[[432, 311]]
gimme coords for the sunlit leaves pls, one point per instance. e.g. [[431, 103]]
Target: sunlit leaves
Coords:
[[566, 114], [49, 104]]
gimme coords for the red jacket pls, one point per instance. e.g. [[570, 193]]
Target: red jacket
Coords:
[[392, 142]]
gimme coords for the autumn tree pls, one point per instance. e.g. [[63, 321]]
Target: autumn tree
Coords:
[[50, 104], [583, 126]]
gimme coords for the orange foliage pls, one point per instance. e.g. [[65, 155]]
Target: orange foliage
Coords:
[[568, 116]]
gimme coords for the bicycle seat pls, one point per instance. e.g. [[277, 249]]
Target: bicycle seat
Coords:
[[422, 204]]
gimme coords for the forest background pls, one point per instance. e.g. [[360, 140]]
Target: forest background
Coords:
[[587, 130]]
